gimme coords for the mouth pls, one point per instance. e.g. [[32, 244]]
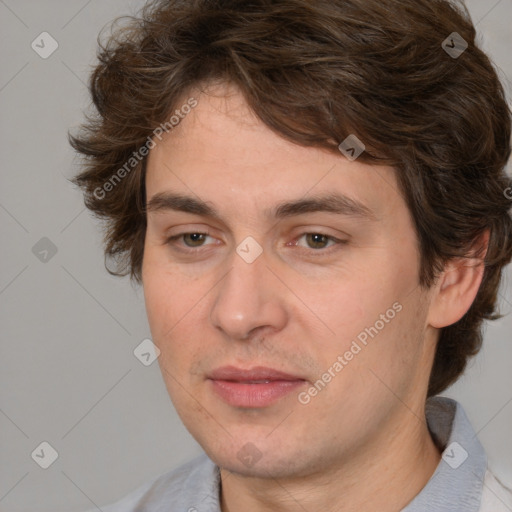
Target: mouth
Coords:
[[252, 388]]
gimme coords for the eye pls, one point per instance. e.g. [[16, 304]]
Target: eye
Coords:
[[190, 240], [318, 241]]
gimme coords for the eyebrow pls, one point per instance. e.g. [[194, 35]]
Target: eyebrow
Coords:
[[331, 203]]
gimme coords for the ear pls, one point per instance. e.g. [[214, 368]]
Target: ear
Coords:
[[458, 285]]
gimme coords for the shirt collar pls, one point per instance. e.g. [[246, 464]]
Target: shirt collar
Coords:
[[457, 482]]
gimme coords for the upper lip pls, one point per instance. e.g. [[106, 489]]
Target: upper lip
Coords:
[[256, 373]]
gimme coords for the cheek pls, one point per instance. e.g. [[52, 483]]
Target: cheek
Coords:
[[376, 327], [174, 310], [158, 303], [351, 307], [167, 293]]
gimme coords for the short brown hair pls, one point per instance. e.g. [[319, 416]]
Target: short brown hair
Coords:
[[316, 72]]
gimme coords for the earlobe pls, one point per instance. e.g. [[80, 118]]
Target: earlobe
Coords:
[[458, 286]]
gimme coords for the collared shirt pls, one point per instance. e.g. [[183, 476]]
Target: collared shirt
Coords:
[[460, 483]]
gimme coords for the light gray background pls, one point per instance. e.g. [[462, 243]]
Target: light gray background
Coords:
[[68, 375]]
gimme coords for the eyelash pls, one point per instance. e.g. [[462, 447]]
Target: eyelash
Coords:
[[323, 251]]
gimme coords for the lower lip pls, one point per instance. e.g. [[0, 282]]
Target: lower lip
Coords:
[[239, 394]]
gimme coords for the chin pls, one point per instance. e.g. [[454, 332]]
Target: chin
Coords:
[[253, 460]]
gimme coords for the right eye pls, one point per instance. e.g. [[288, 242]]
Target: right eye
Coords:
[[191, 240]]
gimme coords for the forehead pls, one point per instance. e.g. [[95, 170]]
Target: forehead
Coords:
[[221, 152]]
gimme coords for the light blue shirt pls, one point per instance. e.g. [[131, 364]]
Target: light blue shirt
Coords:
[[457, 485]]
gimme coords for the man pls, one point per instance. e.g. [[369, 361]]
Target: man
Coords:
[[313, 196]]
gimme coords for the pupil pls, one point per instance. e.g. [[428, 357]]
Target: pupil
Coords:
[[317, 239], [195, 237]]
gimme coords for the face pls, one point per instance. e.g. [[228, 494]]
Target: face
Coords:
[[283, 294]]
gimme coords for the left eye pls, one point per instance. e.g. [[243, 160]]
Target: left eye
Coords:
[[318, 240]]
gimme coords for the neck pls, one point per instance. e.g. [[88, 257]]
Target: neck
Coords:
[[384, 475]]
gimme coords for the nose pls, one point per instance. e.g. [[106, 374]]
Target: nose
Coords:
[[249, 299]]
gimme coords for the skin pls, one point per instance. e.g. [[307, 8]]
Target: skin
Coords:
[[361, 443]]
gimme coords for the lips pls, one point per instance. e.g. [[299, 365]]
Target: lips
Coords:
[[253, 388]]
